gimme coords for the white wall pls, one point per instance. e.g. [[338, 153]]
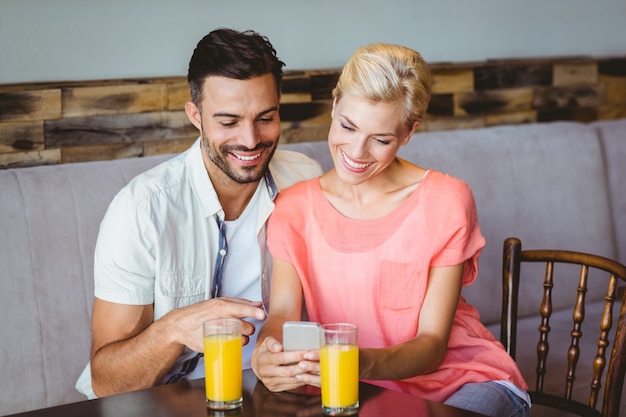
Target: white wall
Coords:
[[55, 40]]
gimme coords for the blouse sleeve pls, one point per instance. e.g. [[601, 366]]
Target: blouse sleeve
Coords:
[[461, 238]]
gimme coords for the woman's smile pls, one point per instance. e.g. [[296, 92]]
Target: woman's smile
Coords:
[[353, 165]]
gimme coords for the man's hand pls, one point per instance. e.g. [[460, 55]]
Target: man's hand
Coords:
[[186, 323], [131, 352]]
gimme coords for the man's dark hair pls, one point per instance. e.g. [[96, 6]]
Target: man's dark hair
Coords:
[[232, 54]]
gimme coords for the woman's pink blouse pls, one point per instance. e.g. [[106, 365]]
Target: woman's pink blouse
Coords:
[[374, 273]]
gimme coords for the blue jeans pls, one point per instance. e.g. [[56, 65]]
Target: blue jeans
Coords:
[[489, 398]]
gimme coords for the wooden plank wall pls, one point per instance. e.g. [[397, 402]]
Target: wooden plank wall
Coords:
[[53, 123]]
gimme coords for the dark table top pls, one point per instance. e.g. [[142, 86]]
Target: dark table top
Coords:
[[187, 399]]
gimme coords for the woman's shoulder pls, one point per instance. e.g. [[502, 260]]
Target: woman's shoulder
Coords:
[[447, 192], [446, 182], [292, 203], [298, 190]]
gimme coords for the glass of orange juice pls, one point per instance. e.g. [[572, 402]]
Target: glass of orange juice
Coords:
[[339, 361], [222, 363]]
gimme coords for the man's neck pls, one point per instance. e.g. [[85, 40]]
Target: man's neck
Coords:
[[235, 199]]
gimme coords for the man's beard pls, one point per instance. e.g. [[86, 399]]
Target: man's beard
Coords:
[[242, 175]]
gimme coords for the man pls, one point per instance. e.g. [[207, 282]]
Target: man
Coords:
[[185, 241]]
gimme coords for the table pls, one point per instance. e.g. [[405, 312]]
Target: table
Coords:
[[187, 399]]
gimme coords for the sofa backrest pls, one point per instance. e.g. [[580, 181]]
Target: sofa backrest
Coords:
[[50, 218], [612, 135]]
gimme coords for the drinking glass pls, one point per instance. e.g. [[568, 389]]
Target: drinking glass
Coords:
[[222, 363], [339, 361]]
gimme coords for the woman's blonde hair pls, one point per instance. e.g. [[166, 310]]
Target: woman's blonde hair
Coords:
[[383, 72]]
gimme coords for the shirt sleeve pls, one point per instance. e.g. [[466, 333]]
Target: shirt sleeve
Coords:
[[290, 167], [125, 260]]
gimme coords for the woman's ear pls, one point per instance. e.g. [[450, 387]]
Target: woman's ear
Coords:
[[193, 114], [410, 133]]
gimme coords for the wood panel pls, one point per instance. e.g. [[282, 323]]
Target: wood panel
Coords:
[[493, 101], [579, 96], [107, 100], [177, 95], [305, 122], [82, 131], [49, 122], [101, 152], [30, 158], [290, 98], [616, 94], [452, 80], [20, 106], [166, 146], [20, 137], [296, 82], [301, 112], [612, 111], [322, 83], [576, 73], [441, 105], [612, 66], [294, 133], [512, 75], [511, 118], [579, 114], [615, 87]]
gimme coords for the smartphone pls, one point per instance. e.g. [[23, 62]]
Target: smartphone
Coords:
[[301, 335]]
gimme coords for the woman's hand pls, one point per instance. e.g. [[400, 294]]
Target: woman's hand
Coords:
[[282, 371]]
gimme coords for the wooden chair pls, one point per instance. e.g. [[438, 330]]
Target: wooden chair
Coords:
[[513, 257]]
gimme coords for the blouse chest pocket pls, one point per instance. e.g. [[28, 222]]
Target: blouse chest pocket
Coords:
[[401, 287], [183, 288]]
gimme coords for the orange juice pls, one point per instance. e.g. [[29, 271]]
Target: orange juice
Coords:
[[222, 364], [340, 375]]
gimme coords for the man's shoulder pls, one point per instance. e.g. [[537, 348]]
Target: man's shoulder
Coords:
[[285, 156], [288, 167], [158, 179]]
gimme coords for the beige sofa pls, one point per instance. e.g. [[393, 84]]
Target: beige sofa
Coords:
[[557, 185]]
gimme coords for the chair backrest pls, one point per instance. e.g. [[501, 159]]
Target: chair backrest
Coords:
[[513, 258]]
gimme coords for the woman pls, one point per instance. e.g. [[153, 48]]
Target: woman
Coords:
[[387, 245]]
